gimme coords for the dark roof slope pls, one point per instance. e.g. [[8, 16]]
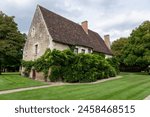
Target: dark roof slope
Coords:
[[65, 31], [97, 43]]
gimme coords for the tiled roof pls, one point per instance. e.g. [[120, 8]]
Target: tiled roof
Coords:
[[65, 31]]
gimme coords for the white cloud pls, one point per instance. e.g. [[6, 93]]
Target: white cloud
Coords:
[[19, 3], [116, 34], [115, 17], [120, 25]]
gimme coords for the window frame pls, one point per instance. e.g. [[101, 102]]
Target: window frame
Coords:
[[83, 51], [76, 50], [36, 49], [89, 50]]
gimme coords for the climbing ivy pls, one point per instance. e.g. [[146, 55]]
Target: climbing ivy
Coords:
[[69, 67], [28, 66]]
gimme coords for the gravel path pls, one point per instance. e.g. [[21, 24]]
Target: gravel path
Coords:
[[54, 84], [147, 98]]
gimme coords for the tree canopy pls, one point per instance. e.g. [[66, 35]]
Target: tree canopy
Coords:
[[118, 45], [11, 42], [135, 50]]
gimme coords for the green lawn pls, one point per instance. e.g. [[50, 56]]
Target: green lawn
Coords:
[[130, 86], [14, 80]]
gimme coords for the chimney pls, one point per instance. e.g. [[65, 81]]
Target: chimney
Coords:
[[107, 40], [85, 26]]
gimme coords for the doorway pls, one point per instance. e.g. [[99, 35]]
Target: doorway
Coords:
[[33, 74]]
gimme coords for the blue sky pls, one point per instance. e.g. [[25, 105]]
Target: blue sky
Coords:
[[114, 17]]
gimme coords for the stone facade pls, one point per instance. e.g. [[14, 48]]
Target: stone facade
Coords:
[[59, 46], [37, 42], [38, 36], [108, 56]]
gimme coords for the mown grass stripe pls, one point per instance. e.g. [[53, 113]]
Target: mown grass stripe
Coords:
[[130, 86]]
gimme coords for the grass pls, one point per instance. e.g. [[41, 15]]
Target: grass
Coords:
[[131, 86], [14, 80]]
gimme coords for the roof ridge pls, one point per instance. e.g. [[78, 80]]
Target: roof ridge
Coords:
[[58, 15], [65, 18]]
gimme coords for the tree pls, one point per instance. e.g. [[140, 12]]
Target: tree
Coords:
[[117, 49], [137, 50], [118, 45], [133, 52], [11, 42]]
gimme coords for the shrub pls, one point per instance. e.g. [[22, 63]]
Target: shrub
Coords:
[[70, 67], [114, 62], [81, 70], [28, 66], [71, 74], [43, 63], [81, 67], [111, 71], [148, 69], [55, 73]]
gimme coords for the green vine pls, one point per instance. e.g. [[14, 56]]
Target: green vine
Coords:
[[70, 67], [28, 66]]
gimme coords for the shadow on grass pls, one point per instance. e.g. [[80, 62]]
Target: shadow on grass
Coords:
[[134, 73]]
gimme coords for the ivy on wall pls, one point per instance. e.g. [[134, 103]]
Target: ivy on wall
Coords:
[[69, 67]]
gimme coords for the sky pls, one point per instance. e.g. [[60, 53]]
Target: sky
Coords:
[[114, 17]]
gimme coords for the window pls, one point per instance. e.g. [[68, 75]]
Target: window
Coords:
[[82, 50], [89, 51], [36, 49], [76, 50]]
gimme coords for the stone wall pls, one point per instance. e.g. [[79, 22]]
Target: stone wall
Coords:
[[38, 35], [59, 46], [108, 56]]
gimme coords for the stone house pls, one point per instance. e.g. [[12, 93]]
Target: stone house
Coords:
[[50, 30]]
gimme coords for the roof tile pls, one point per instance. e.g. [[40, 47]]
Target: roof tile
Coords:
[[65, 31]]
